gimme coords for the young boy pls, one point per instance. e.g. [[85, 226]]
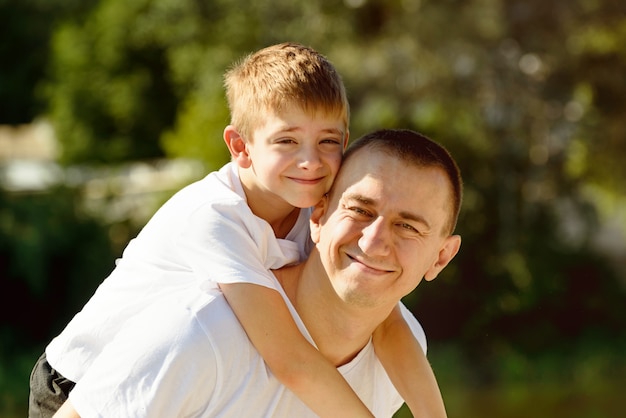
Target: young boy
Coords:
[[289, 127]]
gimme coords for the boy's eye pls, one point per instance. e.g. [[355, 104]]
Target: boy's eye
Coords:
[[286, 141], [331, 141]]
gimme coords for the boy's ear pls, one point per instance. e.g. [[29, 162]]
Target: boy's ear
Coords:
[[447, 252], [316, 218], [237, 147], [346, 140]]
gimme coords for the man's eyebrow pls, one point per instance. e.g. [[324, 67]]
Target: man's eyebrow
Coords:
[[409, 216], [415, 218], [359, 198]]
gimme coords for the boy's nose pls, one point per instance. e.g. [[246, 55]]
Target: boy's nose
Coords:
[[309, 158]]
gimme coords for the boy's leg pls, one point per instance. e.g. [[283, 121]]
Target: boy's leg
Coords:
[[48, 390]]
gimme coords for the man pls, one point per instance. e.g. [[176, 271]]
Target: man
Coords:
[[386, 224]]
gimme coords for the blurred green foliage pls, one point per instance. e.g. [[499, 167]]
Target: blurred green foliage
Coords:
[[25, 28], [528, 95], [52, 257]]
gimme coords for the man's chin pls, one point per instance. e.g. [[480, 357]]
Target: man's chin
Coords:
[[356, 296]]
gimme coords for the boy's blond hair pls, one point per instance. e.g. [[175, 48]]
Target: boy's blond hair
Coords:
[[287, 74]]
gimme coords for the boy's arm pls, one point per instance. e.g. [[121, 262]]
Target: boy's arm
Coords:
[[294, 361], [217, 236], [407, 366]]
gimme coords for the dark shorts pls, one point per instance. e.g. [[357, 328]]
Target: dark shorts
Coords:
[[48, 390]]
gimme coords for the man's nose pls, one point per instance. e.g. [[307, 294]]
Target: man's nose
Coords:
[[375, 238]]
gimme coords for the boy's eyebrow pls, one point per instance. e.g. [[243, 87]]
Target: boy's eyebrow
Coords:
[[410, 216], [334, 131], [288, 128]]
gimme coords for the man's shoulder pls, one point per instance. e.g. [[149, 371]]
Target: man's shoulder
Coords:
[[211, 313], [188, 321]]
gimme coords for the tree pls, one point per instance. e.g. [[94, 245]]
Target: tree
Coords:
[[528, 95], [52, 256], [25, 28]]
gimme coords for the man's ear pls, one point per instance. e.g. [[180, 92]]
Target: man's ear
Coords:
[[448, 250], [237, 147], [316, 218]]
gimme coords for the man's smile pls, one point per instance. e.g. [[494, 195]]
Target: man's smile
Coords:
[[369, 266]]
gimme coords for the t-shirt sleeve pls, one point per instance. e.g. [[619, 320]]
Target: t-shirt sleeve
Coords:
[[224, 242], [415, 326], [151, 369]]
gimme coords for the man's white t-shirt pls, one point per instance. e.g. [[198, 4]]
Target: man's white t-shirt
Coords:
[[189, 357]]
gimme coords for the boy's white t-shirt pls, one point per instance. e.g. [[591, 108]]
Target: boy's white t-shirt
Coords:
[[205, 233]]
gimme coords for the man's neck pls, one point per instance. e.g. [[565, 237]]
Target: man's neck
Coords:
[[339, 331]]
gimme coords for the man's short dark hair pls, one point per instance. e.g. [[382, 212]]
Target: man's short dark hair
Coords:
[[419, 150]]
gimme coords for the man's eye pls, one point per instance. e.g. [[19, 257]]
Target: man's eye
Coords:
[[359, 211], [409, 227]]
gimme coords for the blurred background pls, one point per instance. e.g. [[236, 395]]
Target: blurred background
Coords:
[[107, 107]]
